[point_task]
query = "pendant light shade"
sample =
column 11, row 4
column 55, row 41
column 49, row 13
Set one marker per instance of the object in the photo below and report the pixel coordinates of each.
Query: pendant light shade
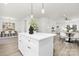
column 31, row 16
column 31, row 11
column 42, row 10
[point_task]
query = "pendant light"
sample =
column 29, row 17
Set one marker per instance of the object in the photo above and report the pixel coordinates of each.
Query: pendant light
column 25, row 21
column 42, row 10
column 31, row 11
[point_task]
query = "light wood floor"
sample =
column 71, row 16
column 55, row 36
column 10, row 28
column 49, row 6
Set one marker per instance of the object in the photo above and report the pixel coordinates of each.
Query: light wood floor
column 9, row 46
column 62, row 48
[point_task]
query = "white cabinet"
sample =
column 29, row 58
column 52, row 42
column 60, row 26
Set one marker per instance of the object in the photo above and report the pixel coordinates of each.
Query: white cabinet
column 21, row 44
column 39, row 44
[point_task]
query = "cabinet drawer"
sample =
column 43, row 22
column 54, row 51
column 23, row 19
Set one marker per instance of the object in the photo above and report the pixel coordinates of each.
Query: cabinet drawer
column 20, row 37
column 31, row 50
column 31, row 40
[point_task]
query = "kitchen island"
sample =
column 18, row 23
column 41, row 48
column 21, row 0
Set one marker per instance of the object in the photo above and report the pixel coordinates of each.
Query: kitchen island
column 38, row 44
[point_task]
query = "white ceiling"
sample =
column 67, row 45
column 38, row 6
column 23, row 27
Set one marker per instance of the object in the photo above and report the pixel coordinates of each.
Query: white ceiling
column 52, row 10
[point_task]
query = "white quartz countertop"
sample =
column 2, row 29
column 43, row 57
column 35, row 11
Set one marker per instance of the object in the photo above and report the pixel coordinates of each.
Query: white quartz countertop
column 38, row 36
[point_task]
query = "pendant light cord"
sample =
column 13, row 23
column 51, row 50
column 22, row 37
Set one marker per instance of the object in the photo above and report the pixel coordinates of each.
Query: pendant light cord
column 31, row 8
column 42, row 5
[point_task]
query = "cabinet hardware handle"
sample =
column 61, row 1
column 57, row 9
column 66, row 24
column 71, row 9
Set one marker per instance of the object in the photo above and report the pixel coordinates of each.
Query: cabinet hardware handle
column 29, row 40
column 19, row 40
column 29, row 47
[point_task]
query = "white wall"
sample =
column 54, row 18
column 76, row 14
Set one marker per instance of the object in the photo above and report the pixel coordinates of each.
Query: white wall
column 0, row 25
column 44, row 24
column 53, row 14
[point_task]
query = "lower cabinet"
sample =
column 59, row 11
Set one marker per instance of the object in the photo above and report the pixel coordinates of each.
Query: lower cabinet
column 27, row 47
column 30, row 46
column 31, row 51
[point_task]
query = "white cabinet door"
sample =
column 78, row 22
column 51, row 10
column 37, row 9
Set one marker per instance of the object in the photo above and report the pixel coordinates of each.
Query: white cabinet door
column 25, row 47
column 21, row 46
column 33, row 50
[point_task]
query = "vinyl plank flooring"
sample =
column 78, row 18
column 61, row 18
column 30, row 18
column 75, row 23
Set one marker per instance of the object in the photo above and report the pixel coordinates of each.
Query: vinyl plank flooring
column 62, row 48
column 9, row 47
